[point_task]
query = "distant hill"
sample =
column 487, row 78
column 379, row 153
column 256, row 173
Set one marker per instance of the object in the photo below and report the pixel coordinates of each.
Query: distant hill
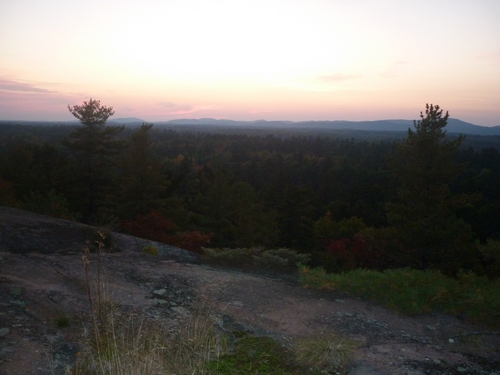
column 454, row 125
column 127, row 120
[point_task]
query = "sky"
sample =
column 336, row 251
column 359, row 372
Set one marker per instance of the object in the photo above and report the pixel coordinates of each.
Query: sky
column 291, row 60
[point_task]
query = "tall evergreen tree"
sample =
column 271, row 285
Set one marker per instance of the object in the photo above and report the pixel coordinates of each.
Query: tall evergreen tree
column 94, row 146
column 295, row 213
column 425, row 216
column 252, row 223
column 142, row 180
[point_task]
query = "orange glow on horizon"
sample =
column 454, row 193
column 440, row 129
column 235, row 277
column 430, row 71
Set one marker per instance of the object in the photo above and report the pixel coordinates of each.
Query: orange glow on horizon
column 279, row 59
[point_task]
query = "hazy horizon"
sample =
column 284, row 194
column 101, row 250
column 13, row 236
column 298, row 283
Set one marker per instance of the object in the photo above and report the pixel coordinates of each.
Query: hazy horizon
column 277, row 60
column 135, row 120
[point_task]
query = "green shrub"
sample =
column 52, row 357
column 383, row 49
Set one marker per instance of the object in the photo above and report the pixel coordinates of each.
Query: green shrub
column 489, row 259
column 254, row 355
column 331, row 229
column 237, row 258
column 263, row 355
column 151, row 250
column 280, row 260
column 61, row 320
column 50, row 204
column 412, row 291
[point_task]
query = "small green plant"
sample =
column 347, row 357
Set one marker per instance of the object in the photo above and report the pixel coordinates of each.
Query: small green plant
column 151, row 250
column 331, row 354
column 254, row 355
column 61, row 320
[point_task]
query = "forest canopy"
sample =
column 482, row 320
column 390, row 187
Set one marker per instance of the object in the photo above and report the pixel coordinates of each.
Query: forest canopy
column 339, row 199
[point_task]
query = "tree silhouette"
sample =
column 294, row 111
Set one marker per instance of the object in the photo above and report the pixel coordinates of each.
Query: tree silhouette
column 425, row 216
column 143, row 179
column 94, row 146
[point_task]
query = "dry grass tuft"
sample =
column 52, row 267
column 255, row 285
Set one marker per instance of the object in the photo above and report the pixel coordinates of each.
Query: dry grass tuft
column 326, row 353
column 126, row 343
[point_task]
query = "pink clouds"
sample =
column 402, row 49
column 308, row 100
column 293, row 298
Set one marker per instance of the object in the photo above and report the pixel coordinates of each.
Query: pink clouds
column 18, row 86
column 24, row 100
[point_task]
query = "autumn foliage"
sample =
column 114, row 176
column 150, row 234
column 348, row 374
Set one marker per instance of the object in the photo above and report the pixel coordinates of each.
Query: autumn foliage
column 191, row 240
column 351, row 253
column 157, row 227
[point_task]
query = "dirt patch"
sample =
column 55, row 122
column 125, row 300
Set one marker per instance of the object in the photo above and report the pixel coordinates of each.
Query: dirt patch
column 41, row 285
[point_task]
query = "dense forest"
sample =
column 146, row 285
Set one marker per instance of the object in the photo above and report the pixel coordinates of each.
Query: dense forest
column 423, row 200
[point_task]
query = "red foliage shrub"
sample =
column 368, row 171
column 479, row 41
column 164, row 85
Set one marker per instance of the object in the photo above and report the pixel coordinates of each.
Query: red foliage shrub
column 157, row 227
column 153, row 226
column 191, row 240
column 352, row 253
column 384, row 250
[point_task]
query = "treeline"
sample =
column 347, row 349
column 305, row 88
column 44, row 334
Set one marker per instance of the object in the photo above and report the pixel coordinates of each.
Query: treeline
column 327, row 196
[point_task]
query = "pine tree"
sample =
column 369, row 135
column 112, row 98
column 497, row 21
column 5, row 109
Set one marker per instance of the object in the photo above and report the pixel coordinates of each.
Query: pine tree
column 425, row 216
column 94, row 146
column 143, row 179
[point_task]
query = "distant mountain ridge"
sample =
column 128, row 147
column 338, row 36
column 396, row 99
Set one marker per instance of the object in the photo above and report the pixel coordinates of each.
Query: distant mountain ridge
column 127, row 120
column 454, row 125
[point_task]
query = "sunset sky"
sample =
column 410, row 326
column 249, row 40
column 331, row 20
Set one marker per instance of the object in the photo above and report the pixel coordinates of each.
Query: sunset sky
column 248, row 60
